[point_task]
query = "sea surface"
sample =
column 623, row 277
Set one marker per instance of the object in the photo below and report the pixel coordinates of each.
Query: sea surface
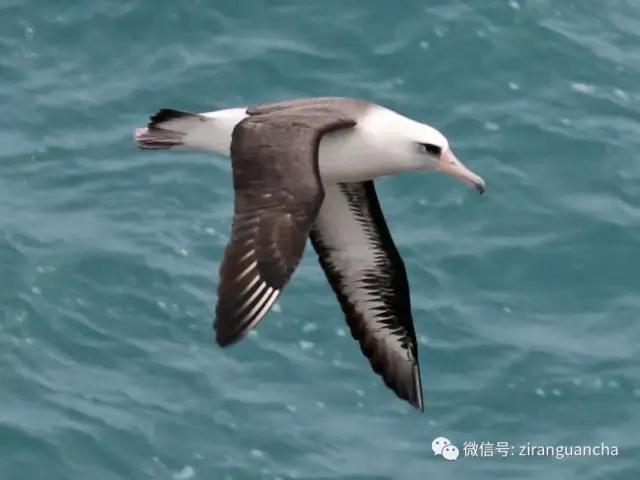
column 525, row 299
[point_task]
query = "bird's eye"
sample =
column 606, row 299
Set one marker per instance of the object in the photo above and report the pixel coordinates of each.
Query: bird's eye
column 431, row 149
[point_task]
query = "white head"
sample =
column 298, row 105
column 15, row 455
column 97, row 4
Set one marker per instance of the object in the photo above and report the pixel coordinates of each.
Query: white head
column 420, row 146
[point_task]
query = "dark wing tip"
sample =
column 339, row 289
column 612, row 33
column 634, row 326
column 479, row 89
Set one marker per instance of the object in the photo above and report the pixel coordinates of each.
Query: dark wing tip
column 399, row 373
column 229, row 330
column 408, row 389
column 406, row 384
column 418, row 399
column 226, row 337
column 242, row 304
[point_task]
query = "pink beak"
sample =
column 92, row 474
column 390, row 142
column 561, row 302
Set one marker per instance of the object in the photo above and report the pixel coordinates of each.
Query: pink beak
column 448, row 163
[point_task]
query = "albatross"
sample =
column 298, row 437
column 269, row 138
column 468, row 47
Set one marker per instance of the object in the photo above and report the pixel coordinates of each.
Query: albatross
column 305, row 169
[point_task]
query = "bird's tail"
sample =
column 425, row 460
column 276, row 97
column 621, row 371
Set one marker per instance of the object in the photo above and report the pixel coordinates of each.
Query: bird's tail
column 167, row 129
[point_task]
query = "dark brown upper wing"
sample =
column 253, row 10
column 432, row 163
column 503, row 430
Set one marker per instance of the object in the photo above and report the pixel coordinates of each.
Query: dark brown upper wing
column 368, row 276
column 278, row 194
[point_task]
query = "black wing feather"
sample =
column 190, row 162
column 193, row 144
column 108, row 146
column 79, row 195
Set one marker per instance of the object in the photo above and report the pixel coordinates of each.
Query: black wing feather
column 368, row 276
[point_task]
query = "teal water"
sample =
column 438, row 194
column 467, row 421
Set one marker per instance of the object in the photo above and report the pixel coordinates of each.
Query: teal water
column 525, row 299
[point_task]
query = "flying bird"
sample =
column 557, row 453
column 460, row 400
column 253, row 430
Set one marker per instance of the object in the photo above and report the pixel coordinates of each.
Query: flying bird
column 303, row 169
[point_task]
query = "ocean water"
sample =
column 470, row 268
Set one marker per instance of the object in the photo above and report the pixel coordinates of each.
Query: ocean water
column 525, row 299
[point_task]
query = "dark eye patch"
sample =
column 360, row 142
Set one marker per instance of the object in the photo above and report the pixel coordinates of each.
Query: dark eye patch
column 431, row 149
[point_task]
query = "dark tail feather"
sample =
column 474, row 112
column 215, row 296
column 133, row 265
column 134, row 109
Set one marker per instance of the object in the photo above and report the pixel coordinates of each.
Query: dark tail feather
column 167, row 117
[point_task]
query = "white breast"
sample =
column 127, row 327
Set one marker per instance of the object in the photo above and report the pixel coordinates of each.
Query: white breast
column 377, row 146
